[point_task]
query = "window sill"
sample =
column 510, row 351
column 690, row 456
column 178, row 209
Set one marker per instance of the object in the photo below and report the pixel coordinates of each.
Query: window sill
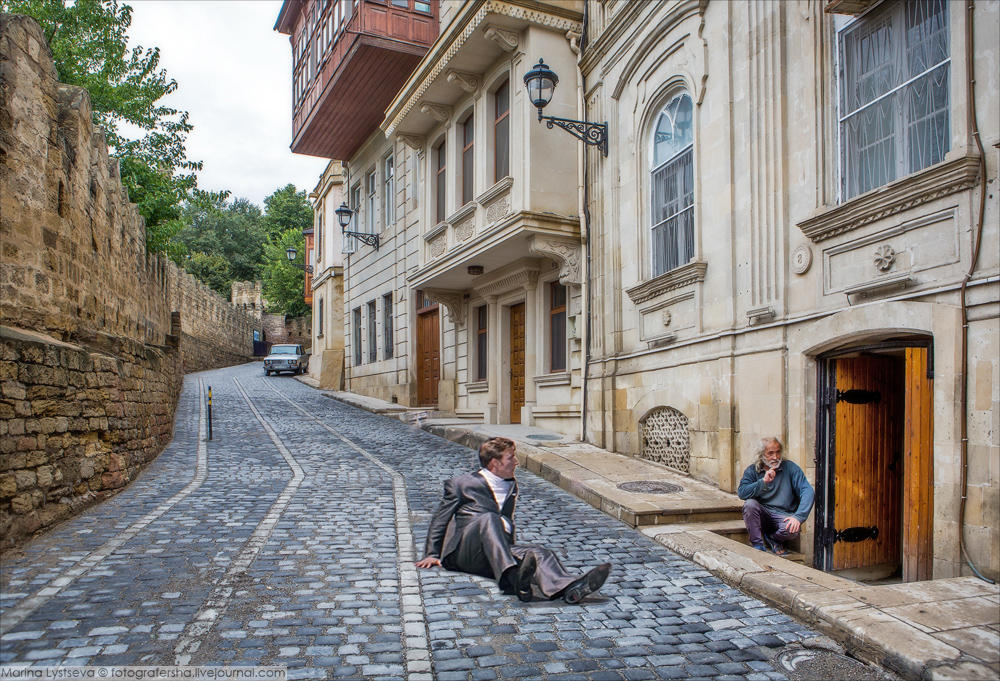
column 498, row 188
column 557, row 378
column 436, row 230
column 477, row 387
column 466, row 209
column 691, row 273
column 942, row 179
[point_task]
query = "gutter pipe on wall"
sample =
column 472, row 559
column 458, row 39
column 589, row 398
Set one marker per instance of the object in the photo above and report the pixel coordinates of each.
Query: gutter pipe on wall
column 576, row 43
column 977, row 239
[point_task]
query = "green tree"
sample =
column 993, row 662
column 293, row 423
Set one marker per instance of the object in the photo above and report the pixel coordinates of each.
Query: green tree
column 212, row 270
column 284, row 282
column 89, row 43
column 286, row 209
column 232, row 231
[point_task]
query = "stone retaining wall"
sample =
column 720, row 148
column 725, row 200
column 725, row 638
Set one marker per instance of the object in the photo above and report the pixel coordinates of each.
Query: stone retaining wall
column 97, row 332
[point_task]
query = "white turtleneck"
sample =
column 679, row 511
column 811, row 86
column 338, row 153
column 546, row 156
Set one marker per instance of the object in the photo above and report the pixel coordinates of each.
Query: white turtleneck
column 501, row 490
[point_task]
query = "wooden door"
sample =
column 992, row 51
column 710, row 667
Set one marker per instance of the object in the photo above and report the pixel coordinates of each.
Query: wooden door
column 868, row 461
column 516, row 361
column 918, row 482
column 428, row 358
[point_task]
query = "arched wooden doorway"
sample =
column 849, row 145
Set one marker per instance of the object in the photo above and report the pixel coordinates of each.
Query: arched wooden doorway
column 874, row 475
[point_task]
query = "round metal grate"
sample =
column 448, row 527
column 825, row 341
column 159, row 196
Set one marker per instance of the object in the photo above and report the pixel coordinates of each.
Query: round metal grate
column 650, row 487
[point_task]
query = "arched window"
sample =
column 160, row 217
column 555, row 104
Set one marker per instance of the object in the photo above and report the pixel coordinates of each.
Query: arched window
column 672, row 186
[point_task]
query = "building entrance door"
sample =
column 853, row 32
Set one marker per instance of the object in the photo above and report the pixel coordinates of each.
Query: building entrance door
column 428, row 358
column 516, row 361
column 874, row 481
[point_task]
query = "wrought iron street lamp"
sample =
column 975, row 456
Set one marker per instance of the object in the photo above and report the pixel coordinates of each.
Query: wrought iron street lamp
column 291, row 253
column 541, row 83
column 344, row 216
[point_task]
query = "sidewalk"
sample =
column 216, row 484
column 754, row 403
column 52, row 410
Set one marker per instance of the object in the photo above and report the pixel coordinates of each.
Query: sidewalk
column 946, row 629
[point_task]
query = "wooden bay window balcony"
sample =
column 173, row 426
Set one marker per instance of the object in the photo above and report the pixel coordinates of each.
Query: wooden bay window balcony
column 350, row 57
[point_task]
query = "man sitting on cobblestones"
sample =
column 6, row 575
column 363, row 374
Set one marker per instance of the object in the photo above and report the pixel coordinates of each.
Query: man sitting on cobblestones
column 777, row 497
column 472, row 531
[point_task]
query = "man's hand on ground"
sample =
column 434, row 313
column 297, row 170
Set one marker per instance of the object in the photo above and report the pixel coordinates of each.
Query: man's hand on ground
column 428, row 562
column 792, row 525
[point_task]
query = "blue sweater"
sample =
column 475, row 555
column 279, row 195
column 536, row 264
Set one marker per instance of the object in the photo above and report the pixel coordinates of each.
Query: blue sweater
column 789, row 492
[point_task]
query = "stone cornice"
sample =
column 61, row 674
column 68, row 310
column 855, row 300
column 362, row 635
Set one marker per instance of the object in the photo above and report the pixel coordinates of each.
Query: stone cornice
column 462, row 211
column 691, row 273
column 947, row 177
column 499, row 188
column 438, row 58
column 526, row 278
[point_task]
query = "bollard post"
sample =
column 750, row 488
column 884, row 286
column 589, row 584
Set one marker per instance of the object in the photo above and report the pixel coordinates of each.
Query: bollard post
column 209, row 412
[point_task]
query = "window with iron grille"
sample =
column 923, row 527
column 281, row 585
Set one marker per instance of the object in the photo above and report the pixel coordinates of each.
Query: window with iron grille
column 356, row 335
column 894, row 78
column 372, row 339
column 672, row 187
column 387, row 324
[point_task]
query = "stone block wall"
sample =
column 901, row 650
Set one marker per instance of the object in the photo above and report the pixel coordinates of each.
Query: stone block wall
column 281, row 329
column 96, row 333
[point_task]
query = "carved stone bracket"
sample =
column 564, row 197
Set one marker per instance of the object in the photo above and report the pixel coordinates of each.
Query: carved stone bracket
column 415, row 142
column 439, row 112
column 566, row 252
column 454, row 302
column 507, row 40
column 467, row 81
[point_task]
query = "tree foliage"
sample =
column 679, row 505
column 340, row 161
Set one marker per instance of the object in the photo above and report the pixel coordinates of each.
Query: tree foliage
column 284, row 281
column 286, row 209
column 89, row 43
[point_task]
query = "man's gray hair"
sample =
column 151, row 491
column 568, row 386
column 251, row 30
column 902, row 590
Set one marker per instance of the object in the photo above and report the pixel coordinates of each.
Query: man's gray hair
column 759, row 450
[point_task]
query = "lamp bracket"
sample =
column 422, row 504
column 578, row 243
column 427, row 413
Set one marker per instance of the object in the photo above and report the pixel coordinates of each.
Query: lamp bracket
column 364, row 237
column 594, row 134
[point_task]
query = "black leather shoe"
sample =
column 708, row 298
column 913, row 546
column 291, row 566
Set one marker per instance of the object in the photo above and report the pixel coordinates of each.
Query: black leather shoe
column 522, row 578
column 587, row 584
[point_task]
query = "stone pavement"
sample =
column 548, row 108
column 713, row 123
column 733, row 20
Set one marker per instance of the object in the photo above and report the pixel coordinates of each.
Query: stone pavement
column 289, row 540
column 945, row 629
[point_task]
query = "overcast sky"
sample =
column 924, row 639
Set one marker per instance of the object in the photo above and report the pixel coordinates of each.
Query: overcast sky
column 234, row 79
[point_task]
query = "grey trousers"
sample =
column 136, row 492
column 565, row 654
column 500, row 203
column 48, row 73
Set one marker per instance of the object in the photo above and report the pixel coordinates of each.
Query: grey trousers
column 485, row 549
column 762, row 521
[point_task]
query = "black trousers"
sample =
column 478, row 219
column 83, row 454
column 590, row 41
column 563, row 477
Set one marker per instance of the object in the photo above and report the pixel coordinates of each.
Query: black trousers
column 485, row 549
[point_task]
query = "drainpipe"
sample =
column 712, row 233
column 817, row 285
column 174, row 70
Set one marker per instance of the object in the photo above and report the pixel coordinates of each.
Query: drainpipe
column 977, row 239
column 576, row 44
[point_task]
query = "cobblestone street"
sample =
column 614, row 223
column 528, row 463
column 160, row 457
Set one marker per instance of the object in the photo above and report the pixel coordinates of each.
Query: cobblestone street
column 289, row 539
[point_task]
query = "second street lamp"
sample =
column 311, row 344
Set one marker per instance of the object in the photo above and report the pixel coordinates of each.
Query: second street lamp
column 541, row 83
column 344, row 217
column 290, row 253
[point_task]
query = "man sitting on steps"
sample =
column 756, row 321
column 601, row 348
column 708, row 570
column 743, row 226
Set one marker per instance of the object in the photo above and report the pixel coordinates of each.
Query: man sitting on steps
column 778, row 498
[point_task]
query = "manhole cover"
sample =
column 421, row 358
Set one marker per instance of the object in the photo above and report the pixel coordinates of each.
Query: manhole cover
column 819, row 665
column 545, row 437
column 650, row 487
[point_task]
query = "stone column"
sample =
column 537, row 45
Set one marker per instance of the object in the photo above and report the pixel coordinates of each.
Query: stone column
column 531, row 356
column 495, row 360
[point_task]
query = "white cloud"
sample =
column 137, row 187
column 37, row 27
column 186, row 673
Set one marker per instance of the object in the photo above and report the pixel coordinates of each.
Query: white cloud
column 234, row 79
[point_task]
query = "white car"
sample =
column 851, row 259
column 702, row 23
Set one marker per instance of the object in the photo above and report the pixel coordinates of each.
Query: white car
column 286, row 358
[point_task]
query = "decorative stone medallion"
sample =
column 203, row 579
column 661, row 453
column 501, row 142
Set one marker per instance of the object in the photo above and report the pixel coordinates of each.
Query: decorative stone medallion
column 885, row 257
column 802, row 258
column 667, row 318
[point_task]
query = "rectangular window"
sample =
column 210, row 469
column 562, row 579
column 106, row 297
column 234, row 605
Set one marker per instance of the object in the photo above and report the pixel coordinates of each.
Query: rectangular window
column 319, row 319
column 372, row 340
column 673, row 213
column 894, row 93
column 440, row 185
column 557, row 327
column 422, row 6
column 356, row 335
column 482, row 342
column 405, row 4
column 501, row 133
column 350, row 243
column 387, row 324
column 389, row 190
column 370, row 203
column 468, row 158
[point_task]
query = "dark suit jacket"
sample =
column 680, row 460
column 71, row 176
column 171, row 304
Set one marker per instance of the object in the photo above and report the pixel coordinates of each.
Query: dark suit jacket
column 465, row 498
